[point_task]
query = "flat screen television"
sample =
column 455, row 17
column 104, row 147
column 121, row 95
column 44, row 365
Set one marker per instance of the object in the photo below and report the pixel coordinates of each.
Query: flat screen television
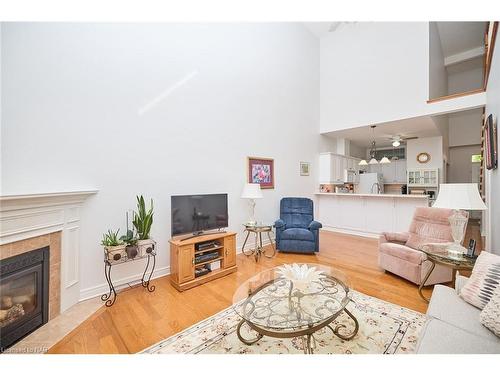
column 198, row 213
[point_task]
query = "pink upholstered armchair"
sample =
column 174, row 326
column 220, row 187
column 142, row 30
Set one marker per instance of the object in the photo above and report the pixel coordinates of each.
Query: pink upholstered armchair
column 398, row 254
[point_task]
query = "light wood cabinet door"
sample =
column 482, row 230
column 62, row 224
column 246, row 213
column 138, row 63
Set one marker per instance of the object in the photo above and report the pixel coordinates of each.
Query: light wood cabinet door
column 229, row 251
column 186, row 263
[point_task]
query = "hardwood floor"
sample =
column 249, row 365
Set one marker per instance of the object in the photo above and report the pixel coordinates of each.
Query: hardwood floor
column 139, row 319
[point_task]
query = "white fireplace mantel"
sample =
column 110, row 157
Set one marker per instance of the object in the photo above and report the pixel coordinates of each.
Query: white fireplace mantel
column 31, row 215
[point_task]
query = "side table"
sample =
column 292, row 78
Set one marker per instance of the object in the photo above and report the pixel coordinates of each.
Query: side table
column 437, row 253
column 258, row 250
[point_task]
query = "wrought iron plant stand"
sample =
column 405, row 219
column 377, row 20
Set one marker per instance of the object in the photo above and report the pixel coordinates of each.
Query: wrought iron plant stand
column 150, row 254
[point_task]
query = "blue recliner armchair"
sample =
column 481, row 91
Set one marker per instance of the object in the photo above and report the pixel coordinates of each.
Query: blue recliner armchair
column 296, row 230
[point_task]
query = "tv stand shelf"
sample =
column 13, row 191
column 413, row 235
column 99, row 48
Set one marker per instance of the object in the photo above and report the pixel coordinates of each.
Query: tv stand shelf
column 182, row 259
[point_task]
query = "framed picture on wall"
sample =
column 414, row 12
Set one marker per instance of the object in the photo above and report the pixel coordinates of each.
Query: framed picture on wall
column 491, row 143
column 261, row 171
column 304, row 168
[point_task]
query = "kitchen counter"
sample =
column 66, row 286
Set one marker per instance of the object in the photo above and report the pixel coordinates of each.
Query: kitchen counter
column 367, row 214
column 399, row 196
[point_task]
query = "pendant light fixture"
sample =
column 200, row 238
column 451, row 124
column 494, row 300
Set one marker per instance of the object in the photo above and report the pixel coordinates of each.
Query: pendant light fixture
column 373, row 150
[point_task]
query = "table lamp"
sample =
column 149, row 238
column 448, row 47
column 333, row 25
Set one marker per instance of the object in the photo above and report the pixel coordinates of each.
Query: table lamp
column 459, row 197
column 251, row 192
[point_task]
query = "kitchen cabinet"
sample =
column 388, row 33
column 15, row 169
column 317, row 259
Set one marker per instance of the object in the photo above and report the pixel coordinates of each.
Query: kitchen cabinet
column 394, row 173
column 332, row 166
column 401, row 171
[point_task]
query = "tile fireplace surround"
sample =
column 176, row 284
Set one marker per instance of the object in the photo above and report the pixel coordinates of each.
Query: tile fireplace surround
column 34, row 221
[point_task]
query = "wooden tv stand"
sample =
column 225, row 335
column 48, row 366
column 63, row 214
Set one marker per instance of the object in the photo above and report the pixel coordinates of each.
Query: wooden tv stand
column 182, row 259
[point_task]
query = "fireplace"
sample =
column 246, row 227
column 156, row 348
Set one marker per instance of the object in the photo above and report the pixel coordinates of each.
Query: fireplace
column 24, row 295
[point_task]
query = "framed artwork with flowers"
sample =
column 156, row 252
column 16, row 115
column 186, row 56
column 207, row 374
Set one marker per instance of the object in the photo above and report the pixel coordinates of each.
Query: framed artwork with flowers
column 261, row 171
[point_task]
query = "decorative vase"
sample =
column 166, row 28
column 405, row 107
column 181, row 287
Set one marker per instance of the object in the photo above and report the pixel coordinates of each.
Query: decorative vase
column 132, row 251
column 146, row 246
column 114, row 253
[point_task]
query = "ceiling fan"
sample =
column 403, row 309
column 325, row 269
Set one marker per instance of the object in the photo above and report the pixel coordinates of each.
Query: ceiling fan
column 397, row 140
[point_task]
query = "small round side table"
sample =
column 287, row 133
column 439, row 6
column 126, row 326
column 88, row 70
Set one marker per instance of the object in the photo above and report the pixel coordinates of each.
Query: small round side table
column 437, row 253
column 258, row 250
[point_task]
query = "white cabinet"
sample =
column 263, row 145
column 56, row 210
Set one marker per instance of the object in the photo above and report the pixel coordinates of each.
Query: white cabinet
column 332, row 166
column 423, row 177
column 394, row 173
column 401, row 171
column 389, row 172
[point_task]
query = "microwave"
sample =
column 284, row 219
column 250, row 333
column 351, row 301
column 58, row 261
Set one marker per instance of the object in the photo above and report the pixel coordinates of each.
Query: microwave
column 350, row 175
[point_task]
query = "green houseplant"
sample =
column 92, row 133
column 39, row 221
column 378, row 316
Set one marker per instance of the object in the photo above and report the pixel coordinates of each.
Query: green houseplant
column 143, row 220
column 113, row 245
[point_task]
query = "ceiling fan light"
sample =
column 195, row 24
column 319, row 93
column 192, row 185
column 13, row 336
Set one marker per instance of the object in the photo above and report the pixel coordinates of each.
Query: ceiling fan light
column 373, row 161
column 396, row 143
column 363, row 162
column 385, row 160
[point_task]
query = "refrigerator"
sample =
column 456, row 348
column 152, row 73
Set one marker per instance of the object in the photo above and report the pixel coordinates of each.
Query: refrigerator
column 367, row 181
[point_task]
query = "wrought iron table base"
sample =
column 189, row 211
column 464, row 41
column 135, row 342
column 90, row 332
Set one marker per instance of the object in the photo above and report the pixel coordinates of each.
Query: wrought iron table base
column 433, row 265
column 258, row 250
column 110, row 297
column 307, row 333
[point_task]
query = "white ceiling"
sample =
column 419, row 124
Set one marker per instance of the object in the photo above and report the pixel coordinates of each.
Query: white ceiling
column 458, row 37
column 414, row 127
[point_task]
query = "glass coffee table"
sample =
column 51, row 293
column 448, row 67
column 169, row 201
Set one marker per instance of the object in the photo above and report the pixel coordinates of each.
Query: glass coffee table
column 437, row 253
column 293, row 300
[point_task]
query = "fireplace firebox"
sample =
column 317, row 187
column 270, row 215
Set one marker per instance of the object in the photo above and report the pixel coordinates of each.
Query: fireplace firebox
column 24, row 295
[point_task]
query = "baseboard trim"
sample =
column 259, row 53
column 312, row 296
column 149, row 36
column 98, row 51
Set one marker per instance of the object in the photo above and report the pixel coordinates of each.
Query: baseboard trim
column 99, row 290
column 353, row 232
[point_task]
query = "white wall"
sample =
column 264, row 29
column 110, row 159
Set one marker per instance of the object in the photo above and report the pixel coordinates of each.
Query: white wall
column 465, row 127
column 460, row 164
column 373, row 72
column 463, row 81
column 438, row 76
column 433, row 146
column 73, row 95
column 493, row 177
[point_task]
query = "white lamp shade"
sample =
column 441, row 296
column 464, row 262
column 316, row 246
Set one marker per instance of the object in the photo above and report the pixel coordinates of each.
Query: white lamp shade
column 373, row 161
column 396, row 144
column 363, row 162
column 459, row 197
column 385, row 160
column 251, row 191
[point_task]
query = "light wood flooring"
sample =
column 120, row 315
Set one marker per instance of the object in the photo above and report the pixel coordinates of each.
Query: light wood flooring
column 139, row 319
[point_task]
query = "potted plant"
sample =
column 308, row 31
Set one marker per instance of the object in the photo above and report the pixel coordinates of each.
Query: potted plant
column 143, row 219
column 113, row 246
column 131, row 247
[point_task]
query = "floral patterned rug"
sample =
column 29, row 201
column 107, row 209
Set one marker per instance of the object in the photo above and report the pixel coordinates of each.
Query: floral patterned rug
column 384, row 328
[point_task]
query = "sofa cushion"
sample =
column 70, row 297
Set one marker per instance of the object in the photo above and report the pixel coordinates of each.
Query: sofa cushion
column 439, row 337
column 490, row 316
column 484, row 280
column 402, row 252
column 297, row 234
column 447, row 306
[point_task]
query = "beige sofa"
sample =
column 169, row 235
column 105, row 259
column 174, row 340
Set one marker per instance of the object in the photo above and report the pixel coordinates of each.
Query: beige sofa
column 453, row 326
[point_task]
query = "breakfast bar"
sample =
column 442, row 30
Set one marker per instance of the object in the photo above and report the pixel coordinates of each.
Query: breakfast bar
column 367, row 214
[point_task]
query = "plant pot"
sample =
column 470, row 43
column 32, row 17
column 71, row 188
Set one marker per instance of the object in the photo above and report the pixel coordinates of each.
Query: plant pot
column 132, row 251
column 115, row 253
column 146, row 246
